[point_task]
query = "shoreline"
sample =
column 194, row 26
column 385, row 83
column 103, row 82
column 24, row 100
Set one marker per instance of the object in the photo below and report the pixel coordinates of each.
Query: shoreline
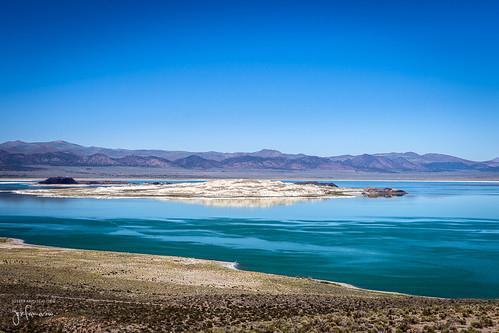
column 10, row 242
column 101, row 291
column 423, row 180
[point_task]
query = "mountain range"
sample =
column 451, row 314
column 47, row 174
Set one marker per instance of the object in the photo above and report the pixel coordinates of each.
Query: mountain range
column 19, row 155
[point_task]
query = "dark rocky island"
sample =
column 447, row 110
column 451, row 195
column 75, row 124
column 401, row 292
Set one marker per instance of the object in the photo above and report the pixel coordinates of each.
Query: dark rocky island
column 59, row 181
column 375, row 192
column 71, row 181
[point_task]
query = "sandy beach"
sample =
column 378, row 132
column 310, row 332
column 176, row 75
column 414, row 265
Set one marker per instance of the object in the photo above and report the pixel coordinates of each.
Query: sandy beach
column 54, row 289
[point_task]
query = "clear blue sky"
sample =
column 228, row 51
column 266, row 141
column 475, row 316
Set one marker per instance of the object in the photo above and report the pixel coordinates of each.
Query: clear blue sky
column 318, row 77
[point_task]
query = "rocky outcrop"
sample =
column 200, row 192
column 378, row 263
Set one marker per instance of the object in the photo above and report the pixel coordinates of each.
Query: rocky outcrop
column 387, row 192
column 58, row 181
column 71, row 181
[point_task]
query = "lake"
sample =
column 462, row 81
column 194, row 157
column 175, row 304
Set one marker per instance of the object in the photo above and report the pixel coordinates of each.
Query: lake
column 442, row 239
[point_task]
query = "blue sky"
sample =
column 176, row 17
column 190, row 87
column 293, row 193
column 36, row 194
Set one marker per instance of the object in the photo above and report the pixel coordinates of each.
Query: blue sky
column 317, row 77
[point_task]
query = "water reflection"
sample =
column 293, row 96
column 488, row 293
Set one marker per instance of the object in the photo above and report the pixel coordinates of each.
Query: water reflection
column 246, row 202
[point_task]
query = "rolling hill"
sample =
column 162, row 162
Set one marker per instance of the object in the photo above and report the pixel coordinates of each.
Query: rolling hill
column 19, row 155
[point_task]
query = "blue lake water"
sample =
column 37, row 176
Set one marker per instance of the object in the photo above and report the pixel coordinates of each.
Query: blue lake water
column 440, row 240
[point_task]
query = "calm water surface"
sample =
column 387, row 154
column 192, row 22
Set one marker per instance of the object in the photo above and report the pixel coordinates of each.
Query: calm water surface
column 440, row 240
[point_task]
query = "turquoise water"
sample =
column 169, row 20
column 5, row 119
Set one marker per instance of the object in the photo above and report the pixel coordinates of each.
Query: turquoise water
column 440, row 240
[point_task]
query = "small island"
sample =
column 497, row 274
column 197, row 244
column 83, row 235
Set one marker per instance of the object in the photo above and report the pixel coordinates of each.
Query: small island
column 58, row 181
column 219, row 192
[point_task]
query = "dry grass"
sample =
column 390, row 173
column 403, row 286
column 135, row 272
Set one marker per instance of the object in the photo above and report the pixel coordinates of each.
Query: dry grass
column 92, row 291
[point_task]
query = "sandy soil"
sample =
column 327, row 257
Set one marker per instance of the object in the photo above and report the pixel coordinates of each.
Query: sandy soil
column 44, row 289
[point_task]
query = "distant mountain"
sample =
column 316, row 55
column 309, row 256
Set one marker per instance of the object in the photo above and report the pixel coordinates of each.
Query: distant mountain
column 22, row 147
column 63, row 146
column 493, row 163
column 19, row 155
column 143, row 161
column 196, row 162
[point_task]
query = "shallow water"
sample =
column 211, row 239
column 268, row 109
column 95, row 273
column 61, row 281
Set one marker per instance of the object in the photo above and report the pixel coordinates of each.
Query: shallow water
column 440, row 240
